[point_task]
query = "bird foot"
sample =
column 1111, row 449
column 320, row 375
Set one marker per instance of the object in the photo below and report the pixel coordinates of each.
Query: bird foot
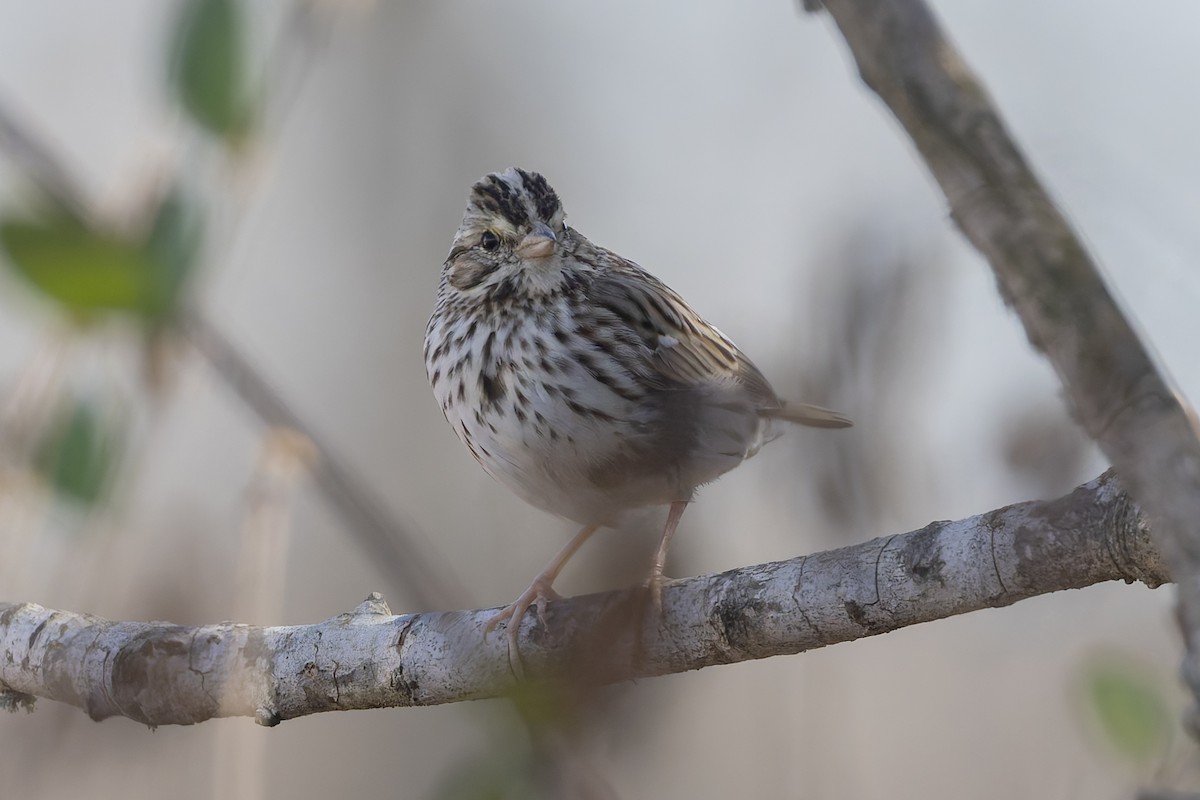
column 539, row 593
column 654, row 584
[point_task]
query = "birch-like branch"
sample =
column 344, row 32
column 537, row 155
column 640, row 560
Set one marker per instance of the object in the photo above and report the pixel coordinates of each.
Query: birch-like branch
column 163, row 674
column 1110, row 378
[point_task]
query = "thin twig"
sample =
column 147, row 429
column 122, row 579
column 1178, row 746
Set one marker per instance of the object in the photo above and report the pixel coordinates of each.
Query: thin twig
column 380, row 535
column 40, row 164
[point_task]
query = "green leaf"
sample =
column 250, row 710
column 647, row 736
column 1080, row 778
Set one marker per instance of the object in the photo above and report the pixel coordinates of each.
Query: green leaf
column 208, row 63
column 170, row 252
column 83, row 269
column 80, row 453
column 1132, row 713
column 90, row 271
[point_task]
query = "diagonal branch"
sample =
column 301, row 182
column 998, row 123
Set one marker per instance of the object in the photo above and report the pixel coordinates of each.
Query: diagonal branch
column 36, row 159
column 379, row 532
column 1111, row 379
column 163, row 674
column 392, row 545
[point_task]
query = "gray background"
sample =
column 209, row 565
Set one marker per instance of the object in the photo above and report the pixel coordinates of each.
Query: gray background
column 729, row 149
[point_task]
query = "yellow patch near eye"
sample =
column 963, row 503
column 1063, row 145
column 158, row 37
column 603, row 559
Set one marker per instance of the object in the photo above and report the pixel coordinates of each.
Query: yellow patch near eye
column 501, row 227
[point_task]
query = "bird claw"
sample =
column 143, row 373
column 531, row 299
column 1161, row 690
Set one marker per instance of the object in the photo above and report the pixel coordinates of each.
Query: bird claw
column 546, row 595
column 536, row 596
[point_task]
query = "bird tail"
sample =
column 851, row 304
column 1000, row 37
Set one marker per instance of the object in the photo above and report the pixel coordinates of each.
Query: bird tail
column 804, row 414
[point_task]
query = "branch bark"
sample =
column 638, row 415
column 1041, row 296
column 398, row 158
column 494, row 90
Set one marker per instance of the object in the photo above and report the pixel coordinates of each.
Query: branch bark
column 1118, row 393
column 163, row 674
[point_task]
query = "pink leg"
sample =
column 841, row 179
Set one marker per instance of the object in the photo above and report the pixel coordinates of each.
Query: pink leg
column 656, row 580
column 538, row 594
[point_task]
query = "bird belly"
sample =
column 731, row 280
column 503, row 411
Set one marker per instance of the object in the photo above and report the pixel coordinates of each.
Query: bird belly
column 583, row 443
column 551, row 453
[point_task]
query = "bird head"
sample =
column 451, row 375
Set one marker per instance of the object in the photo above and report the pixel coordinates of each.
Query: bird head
column 511, row 238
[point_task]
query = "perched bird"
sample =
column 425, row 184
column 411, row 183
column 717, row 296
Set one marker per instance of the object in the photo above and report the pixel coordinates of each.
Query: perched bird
column 582, row 382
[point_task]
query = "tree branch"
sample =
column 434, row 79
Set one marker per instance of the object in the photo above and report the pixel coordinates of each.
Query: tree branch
column 1117, row 391
column 379, row 532
column 396, row 548
column 163, row 674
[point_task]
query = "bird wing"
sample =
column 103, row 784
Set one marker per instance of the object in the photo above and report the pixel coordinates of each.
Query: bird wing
column 682, row 350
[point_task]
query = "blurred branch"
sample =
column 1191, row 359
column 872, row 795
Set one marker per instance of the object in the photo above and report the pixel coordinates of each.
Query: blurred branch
column 380, row 535
column 1117, row 391
column 163, row 674
column 40, row 164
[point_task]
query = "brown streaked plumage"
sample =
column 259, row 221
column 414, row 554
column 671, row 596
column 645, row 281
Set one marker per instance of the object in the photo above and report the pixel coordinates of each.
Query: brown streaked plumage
column 582, row 382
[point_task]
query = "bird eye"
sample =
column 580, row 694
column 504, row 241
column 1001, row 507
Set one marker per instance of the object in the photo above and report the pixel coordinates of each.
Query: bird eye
column 489, row 241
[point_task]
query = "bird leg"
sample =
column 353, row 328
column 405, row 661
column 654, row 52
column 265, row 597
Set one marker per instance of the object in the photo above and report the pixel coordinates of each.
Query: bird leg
column 656, row 580
column 540, row 592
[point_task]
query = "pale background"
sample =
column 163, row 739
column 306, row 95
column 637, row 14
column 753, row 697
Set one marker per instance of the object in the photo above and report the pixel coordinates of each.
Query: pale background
column 730, row 149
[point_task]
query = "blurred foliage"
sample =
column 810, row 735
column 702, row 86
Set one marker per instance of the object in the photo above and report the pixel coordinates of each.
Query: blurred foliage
column 83, row 269
column 1045, row 448
column 88, row 270
column 873, row 324
column 500, row 774
column 507, row 769
column 1128, row 705
column 534, row 754
column 544, row 705
column 208, row 67
column 80, row 452
column 171, row 249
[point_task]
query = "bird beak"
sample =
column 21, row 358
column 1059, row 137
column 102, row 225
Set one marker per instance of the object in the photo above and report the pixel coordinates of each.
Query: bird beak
column 538, row 243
